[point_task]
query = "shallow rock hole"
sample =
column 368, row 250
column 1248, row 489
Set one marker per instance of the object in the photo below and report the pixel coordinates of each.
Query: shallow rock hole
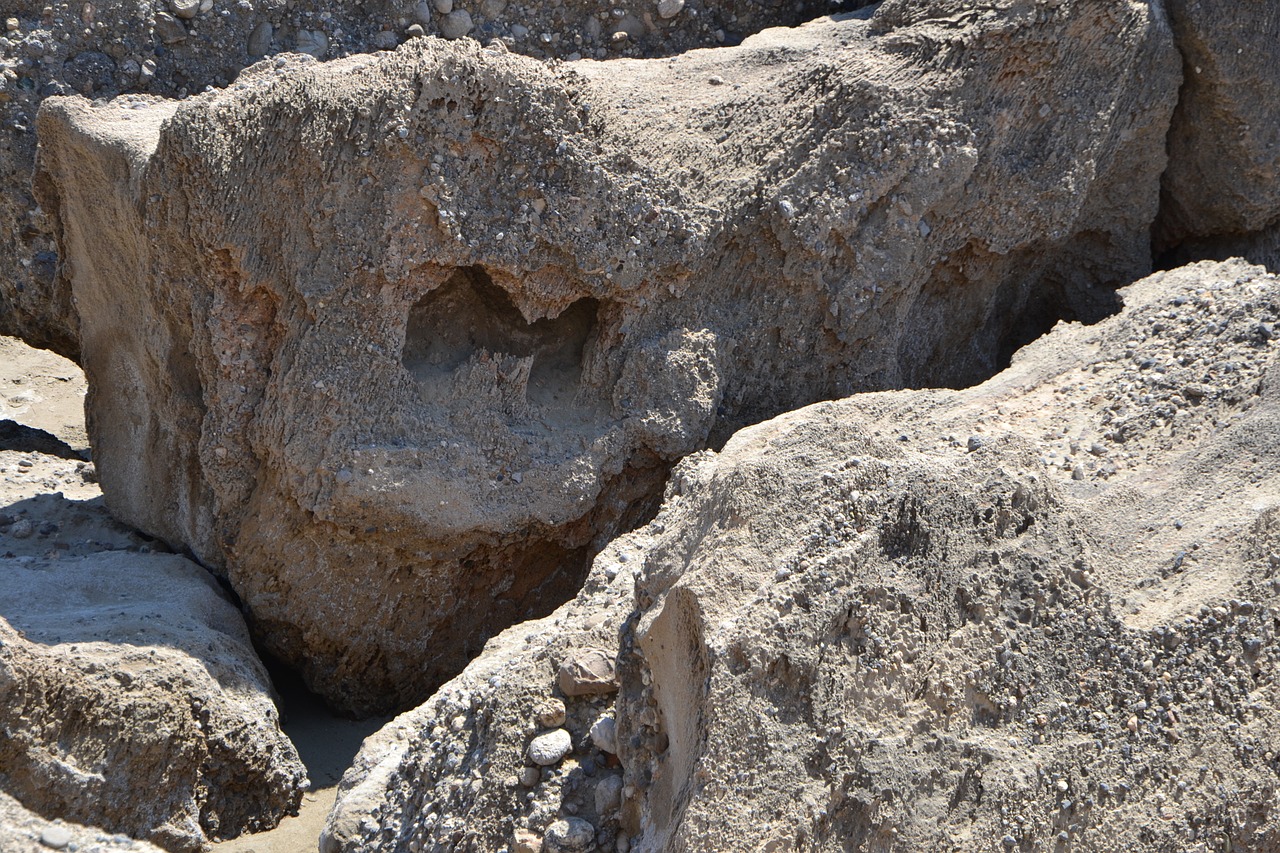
column 470, row 319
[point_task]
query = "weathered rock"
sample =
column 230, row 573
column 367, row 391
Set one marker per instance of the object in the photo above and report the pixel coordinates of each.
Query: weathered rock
column 584, row 672
column 40, row 55
column 24, row 832
column 520, row 292
column 848, row 627
column 1223, row 179
column 132, row 700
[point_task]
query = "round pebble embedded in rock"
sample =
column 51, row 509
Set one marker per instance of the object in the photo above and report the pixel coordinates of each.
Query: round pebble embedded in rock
column 56, row 837
column 670, row 8
column 569, row 836
column 186, row 9
column 586, row 672
column 547, row 749
column 604, row 734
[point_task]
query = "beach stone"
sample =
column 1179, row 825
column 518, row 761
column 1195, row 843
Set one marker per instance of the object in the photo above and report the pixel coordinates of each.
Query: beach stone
column 312, row 42
column 569, row 835
column 670, row 8
column 456, row 24
column 604, row 734
column 56, row 837
column 547, row 749
column 185, row 9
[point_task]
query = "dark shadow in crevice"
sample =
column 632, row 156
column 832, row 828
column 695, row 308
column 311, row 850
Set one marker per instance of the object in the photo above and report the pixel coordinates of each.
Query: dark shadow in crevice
column 327, row 742
column 24, row 439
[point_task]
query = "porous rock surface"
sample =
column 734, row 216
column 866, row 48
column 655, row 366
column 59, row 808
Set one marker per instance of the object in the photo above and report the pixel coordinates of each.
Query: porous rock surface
column 1223, row 180
column 513, row 294
column 130, row 696
column 1036, row 614
column 21, row 831
column 174, row 48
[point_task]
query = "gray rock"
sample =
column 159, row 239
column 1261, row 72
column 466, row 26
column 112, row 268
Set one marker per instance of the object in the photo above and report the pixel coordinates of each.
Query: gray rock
column 259, row 43
column 21, row 831
column 743, row 694
column 569, row 836
column 604, row 734
column 456, row 24
column 312, row 42
column 608, row 794
column 443, row 7
column 136, row 669
column 1222, row 151
column 185, row 9
column 670, row 8
column 550, row 748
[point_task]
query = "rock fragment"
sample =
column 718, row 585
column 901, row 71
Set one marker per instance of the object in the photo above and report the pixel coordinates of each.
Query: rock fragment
column 569, row 835
column 587, row 672
column 550, row 748
column 456, row 24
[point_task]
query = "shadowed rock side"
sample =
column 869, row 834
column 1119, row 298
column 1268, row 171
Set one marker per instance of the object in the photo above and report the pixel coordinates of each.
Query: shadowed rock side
column 179, row 47
column 23, row 832
column 1037, row 614
column 1223, row 180
column 131, row 699
column 505, row 297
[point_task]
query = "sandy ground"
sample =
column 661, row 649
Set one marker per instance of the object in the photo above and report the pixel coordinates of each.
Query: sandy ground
column 45, row 477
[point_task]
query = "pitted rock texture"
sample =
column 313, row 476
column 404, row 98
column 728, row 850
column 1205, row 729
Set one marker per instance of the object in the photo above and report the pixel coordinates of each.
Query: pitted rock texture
column 24, row 832
column 175, row 48
column 132, row 700
column 1036, row 614
column 1223, row 179
column 513, row 294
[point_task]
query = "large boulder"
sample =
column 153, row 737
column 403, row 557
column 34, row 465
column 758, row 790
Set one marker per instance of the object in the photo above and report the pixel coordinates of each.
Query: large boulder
column 1036, row 614
column 476, row 305
column 130, row 696
column 1223, row 180
column 508, row 295
column 175, row 48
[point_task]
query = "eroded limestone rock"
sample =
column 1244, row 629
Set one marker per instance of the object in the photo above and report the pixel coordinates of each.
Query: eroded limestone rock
column 24, row 832
column 131, row 699
column 849, row 627
column 1223, row 180
column 475, row 306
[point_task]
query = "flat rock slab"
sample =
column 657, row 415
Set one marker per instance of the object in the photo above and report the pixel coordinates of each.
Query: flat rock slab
column 131, row 699
column 1040, row 612
column 508, row 296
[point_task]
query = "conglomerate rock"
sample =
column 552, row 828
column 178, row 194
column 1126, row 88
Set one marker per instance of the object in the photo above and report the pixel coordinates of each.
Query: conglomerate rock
column 132, row 700
column 396, row 341
column 1036, row 614
column 1223, row 180
column 24, row 832
column 174, row 48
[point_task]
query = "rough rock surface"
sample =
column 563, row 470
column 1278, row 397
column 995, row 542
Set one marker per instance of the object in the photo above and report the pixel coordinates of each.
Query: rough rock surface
column 24, row 832
column 515, row 293
column 1223, row 179
column 1036, row 614
column 175, row 48
column 130, row 696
